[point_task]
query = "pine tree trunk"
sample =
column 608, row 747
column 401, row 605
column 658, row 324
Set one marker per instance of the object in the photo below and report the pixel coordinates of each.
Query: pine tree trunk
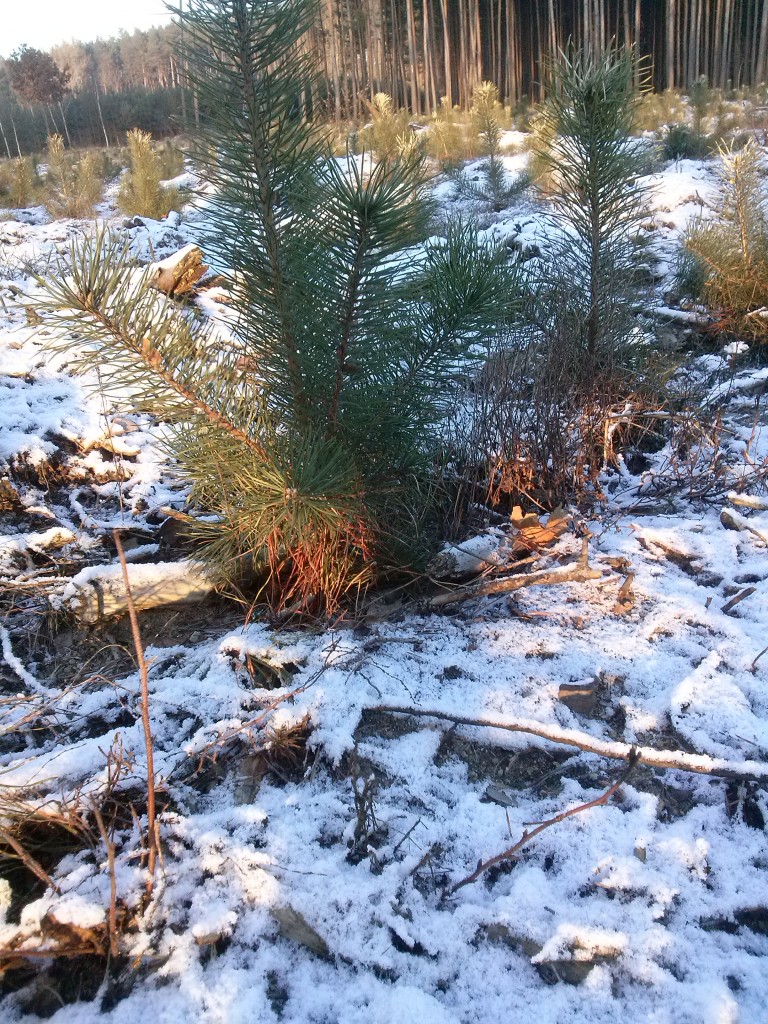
column 64, row 122
column 670, row 52
column 447, row 56
column 16, row 136
column 334, row 60
column 412, row 59
column 760, row 71
column 5, row 140
column 101, row 117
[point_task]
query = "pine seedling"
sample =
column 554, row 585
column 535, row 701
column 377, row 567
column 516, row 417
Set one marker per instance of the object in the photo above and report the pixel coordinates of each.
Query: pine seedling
column 170, row 159
column 309, row 438
column 586, row 126
column 731, row 252
column 387, row 129
column 446, row 142
column 24, row 183
column 141, row 194
column 72, row 187
column 496, row 188
column 700, row 98
column 579, row 358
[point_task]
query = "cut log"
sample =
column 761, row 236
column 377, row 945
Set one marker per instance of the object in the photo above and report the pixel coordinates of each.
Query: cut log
column 179, row 273
column 99, row 592
column 578, row 572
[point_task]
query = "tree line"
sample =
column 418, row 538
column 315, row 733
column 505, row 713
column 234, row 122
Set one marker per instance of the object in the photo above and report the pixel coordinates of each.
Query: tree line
column 420, row 52
column 91, row 93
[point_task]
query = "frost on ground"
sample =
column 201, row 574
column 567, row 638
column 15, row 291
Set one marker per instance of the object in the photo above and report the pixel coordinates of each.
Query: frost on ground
column 310, row 839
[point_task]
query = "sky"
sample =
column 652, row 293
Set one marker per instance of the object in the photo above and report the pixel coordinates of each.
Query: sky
column 44, row 23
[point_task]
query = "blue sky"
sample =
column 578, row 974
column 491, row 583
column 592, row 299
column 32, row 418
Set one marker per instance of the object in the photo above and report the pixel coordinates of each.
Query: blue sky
column 44, row 23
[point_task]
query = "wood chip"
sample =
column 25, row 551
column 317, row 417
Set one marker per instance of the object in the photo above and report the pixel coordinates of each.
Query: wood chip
column 579, row 697
column 294, row 927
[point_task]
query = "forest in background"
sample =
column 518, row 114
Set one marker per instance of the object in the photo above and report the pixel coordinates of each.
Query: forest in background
column 420, row 52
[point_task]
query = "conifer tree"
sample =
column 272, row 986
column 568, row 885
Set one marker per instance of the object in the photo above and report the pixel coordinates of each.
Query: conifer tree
column 584, row 139
column 730, row 252
column 141, row 193
column 308, row 439
column 496, row 188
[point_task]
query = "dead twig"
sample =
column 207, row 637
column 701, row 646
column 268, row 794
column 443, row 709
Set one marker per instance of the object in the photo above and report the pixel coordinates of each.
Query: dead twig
column 407, row 834
column 625, row 599
column 748, row 501
column 735, row 521
column 699, row 764
column 28, row 860
column 483, row 866
column 578, row 573
column 144, row 678
column 109, row 846
column 737, row 599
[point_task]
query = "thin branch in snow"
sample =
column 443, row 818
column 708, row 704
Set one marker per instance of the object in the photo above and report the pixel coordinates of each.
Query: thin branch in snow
column 700, row 764
column 526, row 837
column 14, row 663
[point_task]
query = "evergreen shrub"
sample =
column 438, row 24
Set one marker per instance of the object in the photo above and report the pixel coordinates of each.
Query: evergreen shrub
column 580, row 356
column 495, row 188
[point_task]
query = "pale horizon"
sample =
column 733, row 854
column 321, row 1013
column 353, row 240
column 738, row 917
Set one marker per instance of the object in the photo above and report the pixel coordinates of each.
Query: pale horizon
column 47, row 23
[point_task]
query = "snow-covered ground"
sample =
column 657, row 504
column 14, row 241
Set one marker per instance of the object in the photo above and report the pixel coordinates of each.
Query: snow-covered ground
column 305, row 876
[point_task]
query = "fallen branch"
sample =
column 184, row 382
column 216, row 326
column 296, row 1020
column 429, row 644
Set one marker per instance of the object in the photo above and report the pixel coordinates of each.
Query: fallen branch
column 753, row 666
column 526, row 838
column 17, row 666
column 748, row 501
column 101, row 592
column 27, row 860
column 578, row 573
column 699, row 764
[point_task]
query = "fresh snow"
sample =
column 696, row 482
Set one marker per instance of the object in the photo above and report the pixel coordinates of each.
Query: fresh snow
column 664, row 891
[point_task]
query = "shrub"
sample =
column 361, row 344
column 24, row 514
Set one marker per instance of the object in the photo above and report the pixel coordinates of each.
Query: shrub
column 309, row 440
column 732, row 251
column 72, row 186
column 594, row 167
column 141, row 194
column 700, row 96
column 170, row 159
column 24, row 185
column 445, row 143
column 655, row 111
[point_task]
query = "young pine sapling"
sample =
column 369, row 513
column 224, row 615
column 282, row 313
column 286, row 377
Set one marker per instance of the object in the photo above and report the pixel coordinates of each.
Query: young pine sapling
column 308, row 436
